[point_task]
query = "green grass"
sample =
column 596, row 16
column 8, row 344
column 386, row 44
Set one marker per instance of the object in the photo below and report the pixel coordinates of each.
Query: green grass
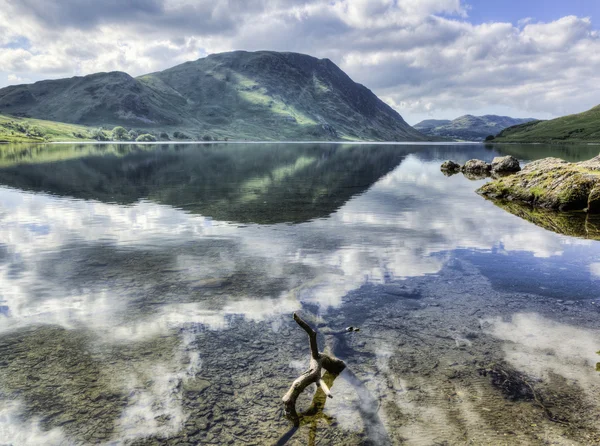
column 581, row 127
column 16, row 130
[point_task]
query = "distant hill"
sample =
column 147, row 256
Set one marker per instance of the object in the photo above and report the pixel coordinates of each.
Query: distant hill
column 245, row 95
column 468, row 127
column 430, row 124
column 583, row 127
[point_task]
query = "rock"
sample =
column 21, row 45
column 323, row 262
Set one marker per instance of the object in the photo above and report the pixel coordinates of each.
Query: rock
column 195, row 386
column 401, row 290
column 505, row 164
column 476, row 167
column 218, row 282
column 593, row 206
column 551, row 183
column 450, row 167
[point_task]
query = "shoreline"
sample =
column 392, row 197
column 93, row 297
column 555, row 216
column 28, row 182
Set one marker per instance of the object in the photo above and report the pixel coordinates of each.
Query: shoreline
column 423, row 143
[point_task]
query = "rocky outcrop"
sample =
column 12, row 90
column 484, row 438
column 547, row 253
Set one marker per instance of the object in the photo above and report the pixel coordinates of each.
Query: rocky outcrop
column 551, row 183
column 505, row 164
column 476, row 167
column 450, row 167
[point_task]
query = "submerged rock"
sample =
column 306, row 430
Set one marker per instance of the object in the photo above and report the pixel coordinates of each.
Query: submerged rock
column 450, row 167
column 505, row 164
column 476, row 167
column 551, row 183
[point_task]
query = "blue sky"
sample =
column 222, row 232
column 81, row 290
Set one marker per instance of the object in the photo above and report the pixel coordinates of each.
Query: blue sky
column 538, row 10
column 426, row 58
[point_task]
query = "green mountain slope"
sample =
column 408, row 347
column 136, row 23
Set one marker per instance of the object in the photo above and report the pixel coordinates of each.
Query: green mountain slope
column 244, row 95
column 581, row 127
column 468, row 127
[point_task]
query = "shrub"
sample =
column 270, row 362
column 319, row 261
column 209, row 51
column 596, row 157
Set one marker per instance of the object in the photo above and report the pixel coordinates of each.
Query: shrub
column 164, row 136
column 99, row 135
column 17, row 127
column 35, row 131
column 146, row 137
column 120, row 134
column 180, row 135
column 207, row 138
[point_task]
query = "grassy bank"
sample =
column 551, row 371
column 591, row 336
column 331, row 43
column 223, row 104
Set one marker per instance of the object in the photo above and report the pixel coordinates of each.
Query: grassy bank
column 15, row 130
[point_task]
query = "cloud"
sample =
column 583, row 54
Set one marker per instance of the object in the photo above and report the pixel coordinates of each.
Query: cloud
column 422, row 57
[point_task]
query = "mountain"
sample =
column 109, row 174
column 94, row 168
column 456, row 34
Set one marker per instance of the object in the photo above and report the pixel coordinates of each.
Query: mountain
column 244, row 95
column 429, row 124
column 583, row 127
column 468, row 127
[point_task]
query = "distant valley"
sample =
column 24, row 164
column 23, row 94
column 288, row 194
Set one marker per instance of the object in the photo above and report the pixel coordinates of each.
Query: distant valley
column 468, row 127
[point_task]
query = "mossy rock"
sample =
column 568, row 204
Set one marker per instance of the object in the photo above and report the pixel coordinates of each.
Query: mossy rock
column 551, row 183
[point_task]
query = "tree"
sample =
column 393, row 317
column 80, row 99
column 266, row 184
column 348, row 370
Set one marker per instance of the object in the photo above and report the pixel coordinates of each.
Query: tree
column 489, row 138
column 99, row 135
column 35, row 131
column 180, row 135
column 146, row 137
column 120, row 134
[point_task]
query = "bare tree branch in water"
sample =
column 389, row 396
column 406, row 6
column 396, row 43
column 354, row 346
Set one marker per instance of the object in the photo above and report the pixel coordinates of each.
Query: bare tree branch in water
column 318, row 362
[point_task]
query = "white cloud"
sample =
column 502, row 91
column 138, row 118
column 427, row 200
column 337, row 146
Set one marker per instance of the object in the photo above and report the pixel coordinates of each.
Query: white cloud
column 13, row 78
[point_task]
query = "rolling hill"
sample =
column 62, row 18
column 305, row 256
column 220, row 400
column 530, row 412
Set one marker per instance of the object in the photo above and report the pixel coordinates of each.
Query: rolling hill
column 468, row 127
column 581, row 127
column 261, row 95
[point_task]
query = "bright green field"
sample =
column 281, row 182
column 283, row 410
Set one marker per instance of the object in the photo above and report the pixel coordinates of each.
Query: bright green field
column 14, row 129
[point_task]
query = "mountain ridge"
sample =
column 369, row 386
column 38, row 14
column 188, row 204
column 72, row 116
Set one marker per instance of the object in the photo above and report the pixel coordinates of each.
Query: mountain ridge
column 239, row 94
column 468, row 127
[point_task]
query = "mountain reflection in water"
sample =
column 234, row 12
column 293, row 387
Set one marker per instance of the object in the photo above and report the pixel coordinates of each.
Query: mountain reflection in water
column 147, row 293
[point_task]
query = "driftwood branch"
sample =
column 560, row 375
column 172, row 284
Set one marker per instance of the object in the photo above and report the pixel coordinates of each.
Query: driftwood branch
column 318, row 362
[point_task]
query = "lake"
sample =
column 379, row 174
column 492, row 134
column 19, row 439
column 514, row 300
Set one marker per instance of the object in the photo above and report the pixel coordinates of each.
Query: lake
column 147, row 294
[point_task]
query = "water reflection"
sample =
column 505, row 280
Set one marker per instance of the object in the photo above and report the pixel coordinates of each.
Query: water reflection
column 135, row 304
column 574, row 224
column 244, row 183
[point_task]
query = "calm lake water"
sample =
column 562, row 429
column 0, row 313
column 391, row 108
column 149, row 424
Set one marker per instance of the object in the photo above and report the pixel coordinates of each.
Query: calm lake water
column 147, row 295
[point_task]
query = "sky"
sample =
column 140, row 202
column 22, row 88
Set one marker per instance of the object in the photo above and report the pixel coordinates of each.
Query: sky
column 429, row 59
